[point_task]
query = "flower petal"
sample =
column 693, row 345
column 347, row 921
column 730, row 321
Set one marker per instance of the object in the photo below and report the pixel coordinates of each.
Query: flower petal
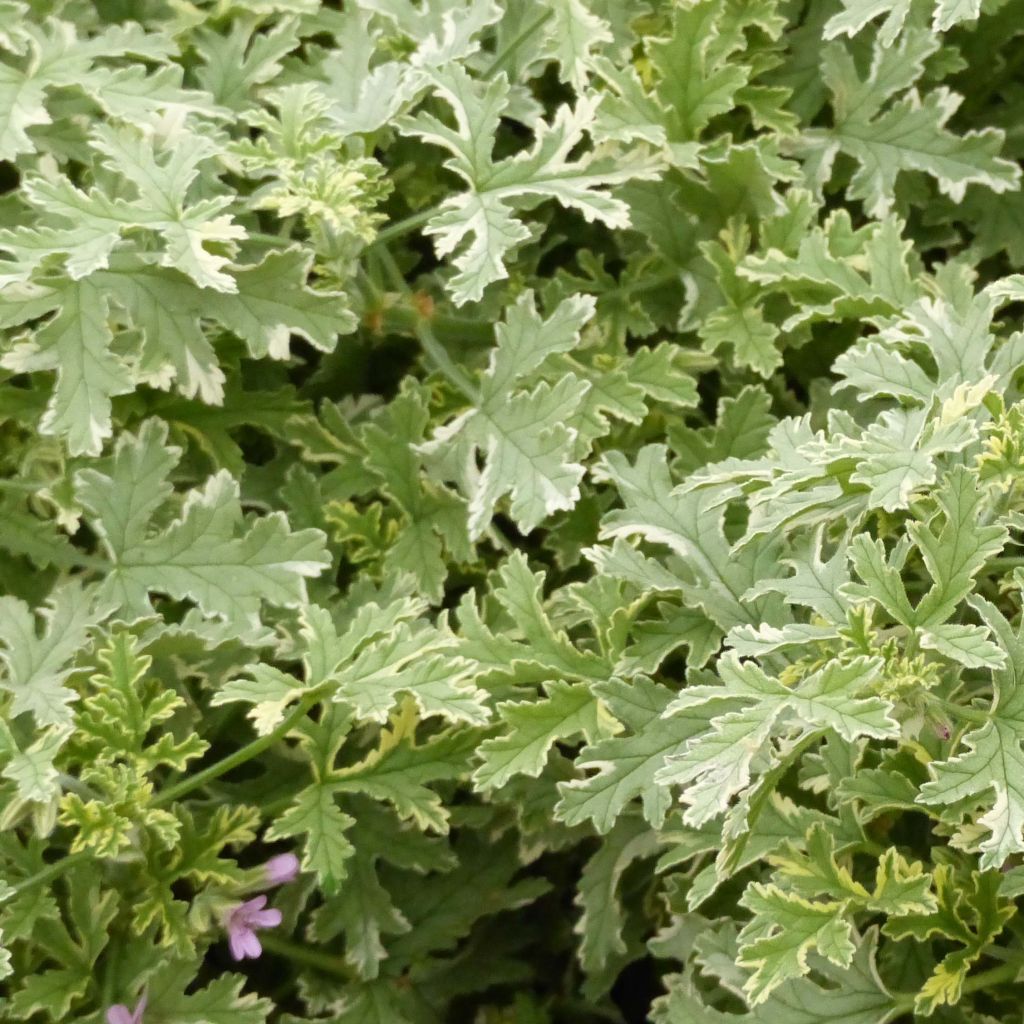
column 120, row 1014
column 140, row 1009
column 251, row 945
column 266, row 918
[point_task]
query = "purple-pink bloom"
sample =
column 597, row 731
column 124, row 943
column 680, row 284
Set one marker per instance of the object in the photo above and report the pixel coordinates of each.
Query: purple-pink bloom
column 120, row 1014
column 242, row 923
column 282, row 868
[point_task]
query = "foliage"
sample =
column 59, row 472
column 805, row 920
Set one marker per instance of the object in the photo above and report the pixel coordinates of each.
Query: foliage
column 554, row 468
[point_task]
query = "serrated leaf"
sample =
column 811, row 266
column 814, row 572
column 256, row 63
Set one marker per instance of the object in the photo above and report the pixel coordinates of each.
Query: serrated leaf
column 691, row 526
column 749, row 707
column 527, row 447
column 626, row 766
column 909, row 134
column 534, row 726
column 786, row 928
column 316, row 815
column 399, row 771
column 600, row 925
column 37, row 666
column 993, row 762
column 209, row 555
column 76, row 343
column 220, row 1002
column 858, row 13
column 479, row 224
column 971, row 915
column 856, row 994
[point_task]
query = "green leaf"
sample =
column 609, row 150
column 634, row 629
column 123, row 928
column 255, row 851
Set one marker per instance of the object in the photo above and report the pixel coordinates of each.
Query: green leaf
column 969, row 912
column 901, row 887
column 534, row 726
column 753, row 706
column 363, row 911
column 529, row 450
column 479, row 224
column 268, row 303
column 435, row 517
column 86, row 226
column 32, row 768
column 54, row 991
column 521, row 593
column 908, row 134
column 691, row 526
column 573, row 34
column 220, row 1002
column 600, row 925
column 855, row 994
column 857, row 13
column 123, row 708
column 697, row 80
column 784, row 931
column 267, row 689
column 315, row 814
column 58, row 59
column 399, row 771
column 815, row 583
column 626, row 766
column 955, row 553
column 76, row 343
column 210, row 555
column 387, row 651
column 37, row 666
column 993, row 762
column 833, row 271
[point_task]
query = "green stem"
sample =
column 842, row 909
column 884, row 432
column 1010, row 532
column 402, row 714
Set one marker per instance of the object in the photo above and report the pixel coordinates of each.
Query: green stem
column 1005, row 562
column 423, row 331
column 404, row 226
column 504, row 56
column 444, row 362
column 404, row 319
column 992, row 978
column 964, row 714
column 314, row 958
column 51, row 871
column 240, row 756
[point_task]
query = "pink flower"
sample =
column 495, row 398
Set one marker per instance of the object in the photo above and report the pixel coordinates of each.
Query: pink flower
column 282, row 868
column 120, row 1014
column 241, row 924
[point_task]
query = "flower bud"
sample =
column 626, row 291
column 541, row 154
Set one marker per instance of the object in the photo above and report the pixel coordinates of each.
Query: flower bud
column 282, row 868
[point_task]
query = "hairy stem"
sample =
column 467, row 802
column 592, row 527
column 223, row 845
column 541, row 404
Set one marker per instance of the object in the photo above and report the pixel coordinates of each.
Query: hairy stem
column 326, row 962
column 50, row 872
column 240, row 756
column 423, row 331
column 504, row 56
column 406, row 318
column 404, row 226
